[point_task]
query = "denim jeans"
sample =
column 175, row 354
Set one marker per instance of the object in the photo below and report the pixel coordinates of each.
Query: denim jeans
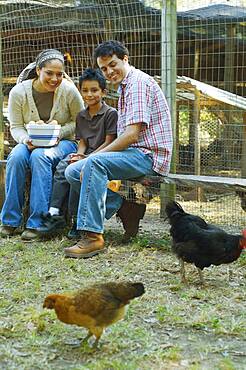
column 97, row 202
column 42, row 163
column 62, row 191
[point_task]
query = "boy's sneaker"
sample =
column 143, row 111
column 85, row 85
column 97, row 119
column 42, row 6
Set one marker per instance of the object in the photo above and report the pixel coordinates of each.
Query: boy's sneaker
column 74, row 233
column 51, row 224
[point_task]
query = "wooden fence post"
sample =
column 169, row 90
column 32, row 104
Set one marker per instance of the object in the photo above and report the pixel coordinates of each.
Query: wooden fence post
column 2, row 170
column 168, row 82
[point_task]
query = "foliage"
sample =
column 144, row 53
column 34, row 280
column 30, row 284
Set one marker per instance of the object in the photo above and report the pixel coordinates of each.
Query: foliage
column 210, row 127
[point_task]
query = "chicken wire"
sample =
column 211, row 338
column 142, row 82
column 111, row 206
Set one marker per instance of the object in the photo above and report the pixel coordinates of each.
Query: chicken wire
column 211, row 41
column 211, row 49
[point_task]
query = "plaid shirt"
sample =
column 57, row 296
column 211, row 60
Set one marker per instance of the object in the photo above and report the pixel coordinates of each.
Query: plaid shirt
column 142, row 100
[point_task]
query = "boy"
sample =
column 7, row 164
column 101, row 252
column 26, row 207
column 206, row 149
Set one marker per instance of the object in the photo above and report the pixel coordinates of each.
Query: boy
column 95, row 129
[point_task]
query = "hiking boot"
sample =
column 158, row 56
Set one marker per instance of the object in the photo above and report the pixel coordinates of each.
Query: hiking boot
column 6, row 231
column 89, row 245
column 51, row 224
column 73, row 232
column 130, row 214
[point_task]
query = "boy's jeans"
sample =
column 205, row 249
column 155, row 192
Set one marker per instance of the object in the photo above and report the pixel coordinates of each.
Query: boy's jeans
column 42, row 163
column 96, row 201
column 62, row 191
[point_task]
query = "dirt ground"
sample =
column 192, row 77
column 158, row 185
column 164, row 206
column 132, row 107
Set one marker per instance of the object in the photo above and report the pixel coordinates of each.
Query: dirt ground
column 172, row 326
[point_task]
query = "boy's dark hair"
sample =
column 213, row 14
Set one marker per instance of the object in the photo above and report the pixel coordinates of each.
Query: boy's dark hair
column 109, row 48
column 91, row 74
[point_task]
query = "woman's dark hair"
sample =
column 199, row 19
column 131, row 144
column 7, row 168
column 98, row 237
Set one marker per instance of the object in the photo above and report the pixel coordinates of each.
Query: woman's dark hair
column 91, row 74
column 109, row 48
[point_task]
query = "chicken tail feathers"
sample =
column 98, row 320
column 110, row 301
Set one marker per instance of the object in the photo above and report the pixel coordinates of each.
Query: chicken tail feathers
column 173, row 208
column 131, row 291
column 125, row 291
column 139, row 289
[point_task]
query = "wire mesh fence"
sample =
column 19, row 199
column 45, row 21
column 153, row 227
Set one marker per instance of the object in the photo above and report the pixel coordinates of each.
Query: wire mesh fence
column 211, row 59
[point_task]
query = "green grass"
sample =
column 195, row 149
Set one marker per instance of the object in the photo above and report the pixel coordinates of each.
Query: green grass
column 172, row 326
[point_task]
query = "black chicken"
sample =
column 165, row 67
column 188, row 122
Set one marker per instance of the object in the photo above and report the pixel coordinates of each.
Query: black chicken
column 196, row 241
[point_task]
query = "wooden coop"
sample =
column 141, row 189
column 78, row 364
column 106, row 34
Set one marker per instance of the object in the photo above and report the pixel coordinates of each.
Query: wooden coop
column 196, row 95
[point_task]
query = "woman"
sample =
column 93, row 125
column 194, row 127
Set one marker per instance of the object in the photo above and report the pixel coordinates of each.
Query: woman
column 42, row 93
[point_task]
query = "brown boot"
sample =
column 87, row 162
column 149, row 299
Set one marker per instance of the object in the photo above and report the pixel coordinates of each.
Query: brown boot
column 89, row 245
column 130, row 214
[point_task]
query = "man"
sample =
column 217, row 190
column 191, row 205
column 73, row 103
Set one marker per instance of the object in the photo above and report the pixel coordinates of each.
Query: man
column 143, row 147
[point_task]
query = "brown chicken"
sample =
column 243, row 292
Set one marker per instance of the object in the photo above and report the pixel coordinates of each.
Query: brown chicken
column 196, row 241
column 95, row 307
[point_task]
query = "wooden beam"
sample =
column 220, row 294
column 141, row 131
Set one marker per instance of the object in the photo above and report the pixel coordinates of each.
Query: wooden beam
column 243, row 160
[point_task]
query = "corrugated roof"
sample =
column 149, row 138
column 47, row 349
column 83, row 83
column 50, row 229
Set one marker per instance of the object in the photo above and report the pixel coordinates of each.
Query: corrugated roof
column 50, row 3
column 215, row 93
column 220, row 12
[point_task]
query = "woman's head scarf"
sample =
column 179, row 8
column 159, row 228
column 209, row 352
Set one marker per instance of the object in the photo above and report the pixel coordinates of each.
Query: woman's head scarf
column 30, row 71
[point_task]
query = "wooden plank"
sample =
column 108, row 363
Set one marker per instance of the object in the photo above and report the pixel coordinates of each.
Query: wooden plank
column 9, row 80
column 236, row 184
column 208, row 181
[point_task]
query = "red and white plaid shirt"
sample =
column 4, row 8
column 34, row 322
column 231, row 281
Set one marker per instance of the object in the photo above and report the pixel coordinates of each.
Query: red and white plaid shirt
column 142, row 100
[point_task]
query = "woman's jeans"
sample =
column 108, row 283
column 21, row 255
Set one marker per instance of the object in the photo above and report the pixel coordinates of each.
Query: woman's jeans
column 42, row 163
column 97, row 202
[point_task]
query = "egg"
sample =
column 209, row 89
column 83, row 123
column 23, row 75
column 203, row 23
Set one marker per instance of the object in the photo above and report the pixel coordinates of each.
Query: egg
column 40, row 122
column 53, row 122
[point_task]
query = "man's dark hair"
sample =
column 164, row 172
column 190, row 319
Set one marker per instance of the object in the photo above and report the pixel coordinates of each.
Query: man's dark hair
column 109, row 48
column 91, row 74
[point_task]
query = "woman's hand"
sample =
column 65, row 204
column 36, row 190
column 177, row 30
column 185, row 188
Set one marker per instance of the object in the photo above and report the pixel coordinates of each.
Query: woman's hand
column 53, row 122
column 29, row 145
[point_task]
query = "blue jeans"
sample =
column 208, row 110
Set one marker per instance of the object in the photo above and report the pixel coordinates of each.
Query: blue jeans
column 97, row 202
column 42, row 163
column 62, row 191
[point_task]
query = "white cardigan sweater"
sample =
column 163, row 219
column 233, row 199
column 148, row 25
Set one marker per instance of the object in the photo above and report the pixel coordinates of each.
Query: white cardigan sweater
column 22, row 109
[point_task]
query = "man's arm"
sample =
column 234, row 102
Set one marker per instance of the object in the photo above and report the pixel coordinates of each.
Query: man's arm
column 130, row 136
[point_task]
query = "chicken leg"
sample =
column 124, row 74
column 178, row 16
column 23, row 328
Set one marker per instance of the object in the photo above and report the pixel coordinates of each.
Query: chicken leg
column 200, row 276
column 182, row 271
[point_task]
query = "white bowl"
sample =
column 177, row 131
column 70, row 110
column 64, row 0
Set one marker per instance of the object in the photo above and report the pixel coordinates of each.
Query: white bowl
column 44, row 134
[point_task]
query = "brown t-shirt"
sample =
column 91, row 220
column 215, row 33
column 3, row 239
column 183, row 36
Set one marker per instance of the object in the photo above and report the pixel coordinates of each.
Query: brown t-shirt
column 93, row 130
column 44, row 103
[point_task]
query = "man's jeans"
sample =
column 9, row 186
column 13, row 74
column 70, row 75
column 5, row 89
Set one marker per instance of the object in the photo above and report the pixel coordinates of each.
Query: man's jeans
column 42, row 163
column 97, row 202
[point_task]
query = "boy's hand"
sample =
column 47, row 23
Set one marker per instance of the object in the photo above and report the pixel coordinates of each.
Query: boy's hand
column 74, row 157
